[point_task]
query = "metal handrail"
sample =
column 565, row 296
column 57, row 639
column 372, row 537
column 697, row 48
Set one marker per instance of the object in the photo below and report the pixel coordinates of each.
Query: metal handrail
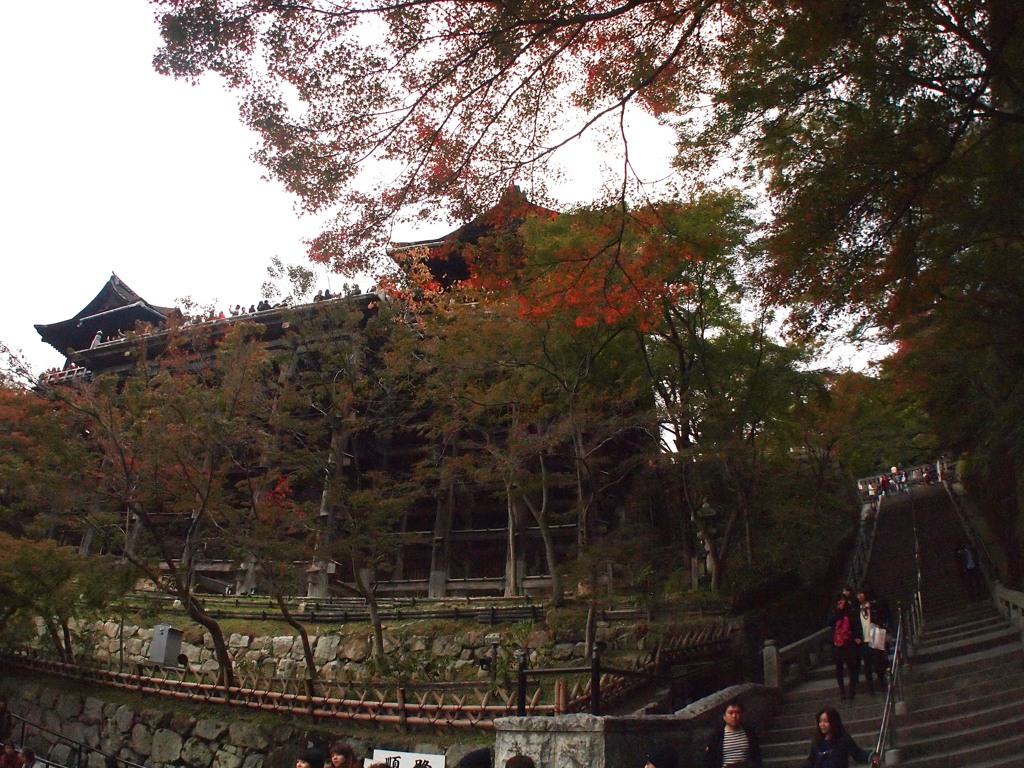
column 917, row 606
column 80, row 748
column 915, row 619
column 886, row 732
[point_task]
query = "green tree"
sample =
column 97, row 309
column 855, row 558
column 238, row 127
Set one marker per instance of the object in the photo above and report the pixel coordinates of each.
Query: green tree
column 887, row 135
column 44, row 469
column 344, row 413
column 40, row 580
column 534, row 410
column 170, row 437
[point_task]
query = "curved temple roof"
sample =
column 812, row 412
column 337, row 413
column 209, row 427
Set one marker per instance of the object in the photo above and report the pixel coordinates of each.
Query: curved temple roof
column 446, row 262
column 116, row 308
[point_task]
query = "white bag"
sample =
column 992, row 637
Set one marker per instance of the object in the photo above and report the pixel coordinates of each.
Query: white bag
column 876, row 637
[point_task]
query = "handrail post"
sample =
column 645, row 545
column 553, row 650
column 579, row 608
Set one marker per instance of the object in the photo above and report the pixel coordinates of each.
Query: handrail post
column 770, row 659
column 595, row 682
column 521, row 683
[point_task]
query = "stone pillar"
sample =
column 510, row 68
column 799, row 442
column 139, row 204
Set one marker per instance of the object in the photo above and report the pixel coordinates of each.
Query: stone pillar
column 438, row 586
column 562, row 740
column 316, row 580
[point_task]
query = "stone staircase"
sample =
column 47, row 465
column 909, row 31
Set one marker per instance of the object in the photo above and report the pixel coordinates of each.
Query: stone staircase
column 963, row 688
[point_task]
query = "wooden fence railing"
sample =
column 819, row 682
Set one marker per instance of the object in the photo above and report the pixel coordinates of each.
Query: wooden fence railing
column 471, row 704
column 346, row 610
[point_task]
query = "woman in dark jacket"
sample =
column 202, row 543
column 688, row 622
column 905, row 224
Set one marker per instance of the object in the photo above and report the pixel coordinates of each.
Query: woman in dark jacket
column 844, row 624
column 833, row 747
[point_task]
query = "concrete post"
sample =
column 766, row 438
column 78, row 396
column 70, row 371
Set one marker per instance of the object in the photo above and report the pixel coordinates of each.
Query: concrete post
column 770, row 657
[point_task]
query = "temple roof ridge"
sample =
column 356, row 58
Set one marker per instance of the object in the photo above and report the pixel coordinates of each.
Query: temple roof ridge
column 115, row 308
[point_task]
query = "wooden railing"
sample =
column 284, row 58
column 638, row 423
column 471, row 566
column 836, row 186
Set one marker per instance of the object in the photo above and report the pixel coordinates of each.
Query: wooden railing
column 484, row 610
column 462, row 704
column 466, row 705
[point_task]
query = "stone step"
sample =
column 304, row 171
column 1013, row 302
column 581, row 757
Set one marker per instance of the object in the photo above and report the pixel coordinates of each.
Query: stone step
column 1007, row 654
column 776, row 740
column 798, row 747
column 824, row 672
column 973, row 612
column 956, row 648
column 963, row 718
column 796, row 755
column 979, row 624
column 986, row 676
column 970, row 688
column 862, row 711
column 799, row 705
column 1010, row 761
column 954, row 618
column 972, row 752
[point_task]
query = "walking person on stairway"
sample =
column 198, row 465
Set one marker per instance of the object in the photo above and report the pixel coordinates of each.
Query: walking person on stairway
column 874, row 624
column 833, row 747
column 970, row 572
column 847, row 636
column 732, row 745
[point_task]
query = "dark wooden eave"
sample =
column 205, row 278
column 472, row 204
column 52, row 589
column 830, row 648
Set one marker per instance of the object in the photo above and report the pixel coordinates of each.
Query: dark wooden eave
column 445, row 260
column 115, row 308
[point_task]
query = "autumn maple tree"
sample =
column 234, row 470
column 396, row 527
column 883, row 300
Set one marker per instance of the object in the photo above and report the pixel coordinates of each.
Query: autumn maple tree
column 171, row 438
column 884, row 135
column 887, row 141
column 343, row 412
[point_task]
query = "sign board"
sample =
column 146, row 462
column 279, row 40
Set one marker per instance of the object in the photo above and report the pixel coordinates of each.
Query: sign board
column 393, row 759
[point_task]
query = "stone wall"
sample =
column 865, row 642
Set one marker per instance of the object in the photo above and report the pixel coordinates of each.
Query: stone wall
column 187, row 736
column 586, row 741
column 345, row 656
column 150, row 736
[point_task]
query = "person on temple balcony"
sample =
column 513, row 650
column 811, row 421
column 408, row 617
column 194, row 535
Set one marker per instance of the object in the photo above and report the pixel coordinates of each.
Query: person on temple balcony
column 96, row 340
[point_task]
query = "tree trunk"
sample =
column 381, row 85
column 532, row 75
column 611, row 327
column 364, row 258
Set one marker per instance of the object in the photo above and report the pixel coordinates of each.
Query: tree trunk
column 583, row 533
column 69, row 650
column 378, row 628
column 557, row 590
column 540, row 514
column 590, row 633
column 511, row 558
column 51, row 630
column 367, row 591
column 220, row 647
column 307, row 650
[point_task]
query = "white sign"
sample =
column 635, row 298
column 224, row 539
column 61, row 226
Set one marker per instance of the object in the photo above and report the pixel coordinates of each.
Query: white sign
column 393, row 759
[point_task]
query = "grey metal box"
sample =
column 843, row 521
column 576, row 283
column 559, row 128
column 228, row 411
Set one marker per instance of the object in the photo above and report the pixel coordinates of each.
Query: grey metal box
column 166, row 645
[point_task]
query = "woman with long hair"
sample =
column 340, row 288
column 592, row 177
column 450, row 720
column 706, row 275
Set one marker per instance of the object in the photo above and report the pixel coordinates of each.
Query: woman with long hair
column 847, row 636
column 833, row 747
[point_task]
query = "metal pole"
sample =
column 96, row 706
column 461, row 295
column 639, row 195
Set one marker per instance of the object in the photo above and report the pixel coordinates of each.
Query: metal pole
column 595, row 682
column 521, row 684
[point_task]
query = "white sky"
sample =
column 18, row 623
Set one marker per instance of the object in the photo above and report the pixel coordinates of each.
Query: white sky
column 110, row 167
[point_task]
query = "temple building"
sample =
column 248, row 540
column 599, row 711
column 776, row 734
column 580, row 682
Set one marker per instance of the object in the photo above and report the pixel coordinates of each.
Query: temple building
column 445, row 254
column 456, row 543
